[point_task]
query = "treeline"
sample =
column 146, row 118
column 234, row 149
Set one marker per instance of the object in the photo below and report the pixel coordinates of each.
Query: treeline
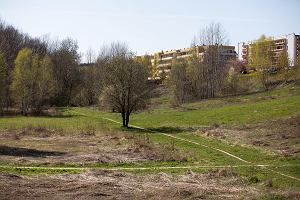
column 36, row 73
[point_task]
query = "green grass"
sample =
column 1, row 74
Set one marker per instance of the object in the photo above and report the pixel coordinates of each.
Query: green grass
column 69, row 121
column 227, row 115
column 34, row 171
column 227, row 111
column 253, row 108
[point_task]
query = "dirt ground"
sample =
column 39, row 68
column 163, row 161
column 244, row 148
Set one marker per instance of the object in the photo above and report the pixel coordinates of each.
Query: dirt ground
column 44, row 146
column 120, row 185
column 281, row 136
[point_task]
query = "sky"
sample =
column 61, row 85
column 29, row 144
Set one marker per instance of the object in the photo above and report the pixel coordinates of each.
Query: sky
column 149, row 26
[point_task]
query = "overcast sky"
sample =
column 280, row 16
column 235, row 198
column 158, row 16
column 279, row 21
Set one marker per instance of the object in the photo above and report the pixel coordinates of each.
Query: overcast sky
column 150, row 25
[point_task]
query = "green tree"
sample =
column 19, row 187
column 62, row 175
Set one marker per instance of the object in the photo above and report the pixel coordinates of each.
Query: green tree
column 22, row 80
column 3, row 75
column 296, row 74
column 261, row 58
column 283, row 61
column 32, row 82
column 45, row 85
column 261, row 54
column 283, row 64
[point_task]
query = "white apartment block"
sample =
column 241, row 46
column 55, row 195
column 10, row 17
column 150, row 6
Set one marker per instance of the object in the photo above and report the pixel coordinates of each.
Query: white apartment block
column 289, row 43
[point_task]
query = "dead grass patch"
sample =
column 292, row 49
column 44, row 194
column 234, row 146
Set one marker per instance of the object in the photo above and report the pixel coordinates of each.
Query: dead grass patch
column 99, row 184
column 281, row 136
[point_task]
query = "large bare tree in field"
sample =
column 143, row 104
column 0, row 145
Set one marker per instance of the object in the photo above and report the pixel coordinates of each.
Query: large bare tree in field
column 125, row 80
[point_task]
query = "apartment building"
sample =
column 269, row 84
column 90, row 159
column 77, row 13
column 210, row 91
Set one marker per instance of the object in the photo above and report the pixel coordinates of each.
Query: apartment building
column 289, row 43
column 162, row 61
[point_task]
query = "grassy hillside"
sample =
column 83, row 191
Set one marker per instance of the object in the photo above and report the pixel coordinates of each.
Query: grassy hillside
column 227, row 111
column 182, row 122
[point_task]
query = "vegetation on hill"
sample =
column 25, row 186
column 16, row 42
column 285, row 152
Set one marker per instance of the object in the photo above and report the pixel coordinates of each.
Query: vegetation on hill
column 186, row 122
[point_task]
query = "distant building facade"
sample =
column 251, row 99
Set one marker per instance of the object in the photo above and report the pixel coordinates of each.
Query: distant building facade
column 289, row 43
column 162, row 61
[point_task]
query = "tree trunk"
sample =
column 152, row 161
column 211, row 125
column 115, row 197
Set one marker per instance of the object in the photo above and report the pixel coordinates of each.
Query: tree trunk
column 124, row 119
column 127, row 119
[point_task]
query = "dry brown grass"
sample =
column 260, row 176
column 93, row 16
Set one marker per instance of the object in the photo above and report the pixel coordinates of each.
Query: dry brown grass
column 99, row 184
column 167, row 152
column 281, row 136
column 87, row 146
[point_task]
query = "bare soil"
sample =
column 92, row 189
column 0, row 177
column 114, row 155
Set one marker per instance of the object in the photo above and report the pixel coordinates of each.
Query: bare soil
column 100, row 184
column 281, row 136
column 44, row 146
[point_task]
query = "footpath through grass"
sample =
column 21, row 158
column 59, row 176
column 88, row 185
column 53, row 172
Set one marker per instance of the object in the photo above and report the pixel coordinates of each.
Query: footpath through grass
column 167, row 120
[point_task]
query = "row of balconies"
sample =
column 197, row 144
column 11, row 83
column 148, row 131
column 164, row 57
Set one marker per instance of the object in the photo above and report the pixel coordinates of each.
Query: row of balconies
column 164, row 70
column 183, row 56
column 164, row 61
column 174, row 57
column 166, row 65
column 167, row 58
column 282, row 41
column 277, row 50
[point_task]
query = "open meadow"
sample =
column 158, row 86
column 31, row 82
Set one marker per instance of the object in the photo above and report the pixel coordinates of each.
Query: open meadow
column 158, row 100
column 243, row 147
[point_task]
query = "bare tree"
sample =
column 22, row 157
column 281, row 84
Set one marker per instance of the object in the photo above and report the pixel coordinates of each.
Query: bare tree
column 90, row 86
column 90, row 56
column 3, row 73
column 179, row 79
column 202, row 75
column 125, row 80
column 283, row 64
column 65, row 58
column 213, row 37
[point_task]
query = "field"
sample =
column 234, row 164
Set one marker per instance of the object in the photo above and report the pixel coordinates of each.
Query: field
column 242, row 147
